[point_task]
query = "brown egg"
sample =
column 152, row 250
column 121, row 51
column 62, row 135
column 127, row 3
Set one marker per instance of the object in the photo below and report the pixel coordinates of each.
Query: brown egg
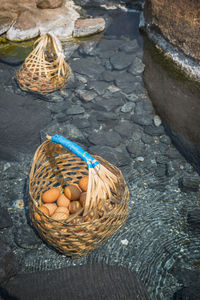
column 44, row 209
column 83, row 198
column 72, row 192
column 51, row 195
column 59, row 216
column 74, row 207
column 61, row 209
column 83, row 183
column 51, row 207
column 63, row 201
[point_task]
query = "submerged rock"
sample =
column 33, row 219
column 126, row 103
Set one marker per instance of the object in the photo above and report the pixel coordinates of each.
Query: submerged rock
column 85, row 27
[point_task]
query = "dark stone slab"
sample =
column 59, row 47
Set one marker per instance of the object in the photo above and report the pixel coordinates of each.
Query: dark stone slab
column 98, row 86
column 193, row 218
column 153, row 130
column 127, row 129
column 115, row 157
column 130, row 46
column 103, row 116
column 136, row 149
column 5, row 219
column 89, row 66
column 25, row 237
column 120, row 61
column 187, row 184
column 8, row 263
column 21, row 120
column 161, row 170
column 145, row 119
column 109, row 138
column 87, row 282
column 109, row 104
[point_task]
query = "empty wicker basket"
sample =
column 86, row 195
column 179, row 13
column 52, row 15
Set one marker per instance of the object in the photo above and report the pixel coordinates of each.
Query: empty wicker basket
column 55, row 166
column 45, row 69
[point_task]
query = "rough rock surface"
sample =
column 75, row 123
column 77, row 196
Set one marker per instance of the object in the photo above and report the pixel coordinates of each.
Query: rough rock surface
column 22, row 20
column 178, row 21
column 8, row 264
column 84, row 27
column 49, row 3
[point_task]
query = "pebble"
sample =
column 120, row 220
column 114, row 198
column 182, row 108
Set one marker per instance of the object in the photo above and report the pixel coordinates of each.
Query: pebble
column 157, row 121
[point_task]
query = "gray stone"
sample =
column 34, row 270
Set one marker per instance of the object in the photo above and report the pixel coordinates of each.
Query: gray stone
column 109, row 45
column 126, row 82
column 75, row 110
column 98, row 86
column 85, row 27
column 145, row 119
column 8, row 263
column 5, row 219
column 157, row 121
column 104, row 116
column 81, row 123
column 67, row 130
column 155, row 131
column 109, row 138
column 117, row 158
column 136, row 149
column 187, row 184
column 126, row 128
column 25, row 237
column 161, row 170
column 172, row 153
column 147, row 139
column 128, row 107
column 193, row 218
column 130, row 46
column 120, row 61
column 86, row 95
column 89, row 66
column 137, row 67
column 109, row 104
column 165, row 139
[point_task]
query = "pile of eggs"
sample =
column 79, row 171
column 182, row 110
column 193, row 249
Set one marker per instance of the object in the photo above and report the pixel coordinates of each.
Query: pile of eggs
column 59, row 206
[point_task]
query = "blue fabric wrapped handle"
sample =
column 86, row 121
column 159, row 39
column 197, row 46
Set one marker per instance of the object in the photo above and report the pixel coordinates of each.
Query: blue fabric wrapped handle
column 76, row 149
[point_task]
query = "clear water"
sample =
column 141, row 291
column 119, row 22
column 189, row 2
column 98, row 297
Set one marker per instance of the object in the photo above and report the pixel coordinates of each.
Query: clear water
column 156, row 236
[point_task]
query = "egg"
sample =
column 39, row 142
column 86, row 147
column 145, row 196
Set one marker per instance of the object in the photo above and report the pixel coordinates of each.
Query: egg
column 83, row 198
column 83, row 183
column 51, row 207
column 51, row 195
column 63, row 201
column 72, row 192
column 45, row 210
column 61, row 209
column 74, row 207
column 59, row 216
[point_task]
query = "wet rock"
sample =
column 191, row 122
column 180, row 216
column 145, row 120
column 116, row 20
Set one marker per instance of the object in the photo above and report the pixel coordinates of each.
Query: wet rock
column 104, row 116
column 126, row 129
column 25, row 117
column 193, row 218
column 157, row 121
column 147, row 139
column 178, row 24
column 142, row 120
column 130, row 46
column 153, row 130
column 187, row 184
column 5, row 219
column 98, row 86
column 8, row 263
column 81, row 123
column 86, row 95
column 161, row 170
column 32, row 21
column 49, row 3
column 120, row 61
column 111, row 103
column 190, row 293
column 128, row 107
column 109, row 138
column 85, row 27
column 136, row 149
column 126, row 82
column 89, row 66
column 137, row 66
column 5, row 23
column 25, row 237
column 75, row 110
column 117, row 158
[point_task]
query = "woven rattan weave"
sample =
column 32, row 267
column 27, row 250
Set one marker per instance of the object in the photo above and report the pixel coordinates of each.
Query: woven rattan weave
column 55, row 166
column 45, row 69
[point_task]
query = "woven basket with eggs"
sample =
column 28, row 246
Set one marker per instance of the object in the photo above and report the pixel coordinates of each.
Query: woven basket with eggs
column 77, row 201
column 44, row 69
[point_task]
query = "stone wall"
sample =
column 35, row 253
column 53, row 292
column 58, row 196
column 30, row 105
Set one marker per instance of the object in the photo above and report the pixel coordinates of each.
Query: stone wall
column 178, row 21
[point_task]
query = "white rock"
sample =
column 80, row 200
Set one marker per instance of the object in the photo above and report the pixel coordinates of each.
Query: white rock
column 157, row 121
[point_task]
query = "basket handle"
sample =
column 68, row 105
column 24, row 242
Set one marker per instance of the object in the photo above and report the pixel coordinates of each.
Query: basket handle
column 76, row 149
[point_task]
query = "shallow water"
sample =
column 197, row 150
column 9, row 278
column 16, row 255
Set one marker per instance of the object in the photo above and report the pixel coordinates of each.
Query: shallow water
column 156, row 239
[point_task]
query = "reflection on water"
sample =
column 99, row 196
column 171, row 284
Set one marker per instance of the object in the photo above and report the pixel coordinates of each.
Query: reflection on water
column 176, row 100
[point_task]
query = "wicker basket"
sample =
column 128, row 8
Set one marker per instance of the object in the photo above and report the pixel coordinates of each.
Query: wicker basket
column 55, row 166
column 45, row 69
